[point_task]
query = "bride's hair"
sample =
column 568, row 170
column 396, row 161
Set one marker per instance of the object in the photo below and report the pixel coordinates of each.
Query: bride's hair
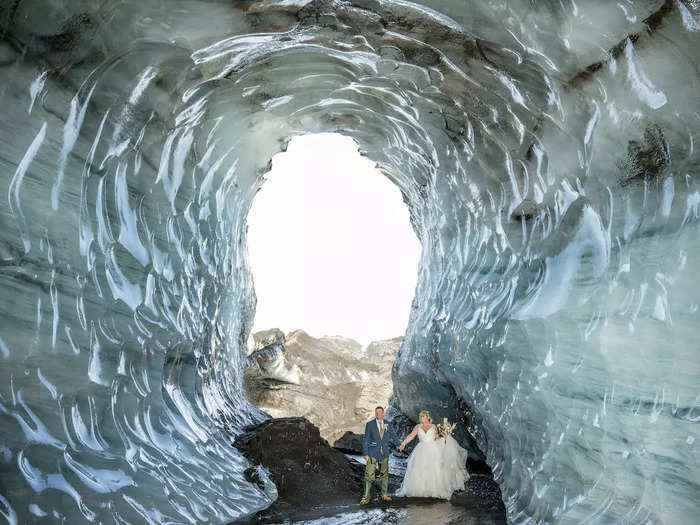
column 426, row 414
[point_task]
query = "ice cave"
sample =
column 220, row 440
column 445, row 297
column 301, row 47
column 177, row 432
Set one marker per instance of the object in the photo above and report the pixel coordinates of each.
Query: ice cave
column 546, row 153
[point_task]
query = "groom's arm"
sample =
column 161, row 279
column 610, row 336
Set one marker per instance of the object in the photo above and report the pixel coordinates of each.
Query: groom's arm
column 365, row 441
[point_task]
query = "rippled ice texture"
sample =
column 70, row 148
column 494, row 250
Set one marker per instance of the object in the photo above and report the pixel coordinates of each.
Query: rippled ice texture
column 547, row 153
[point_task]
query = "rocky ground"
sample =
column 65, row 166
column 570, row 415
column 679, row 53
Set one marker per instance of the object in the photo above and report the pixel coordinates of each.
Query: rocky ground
column 332, row 381
column 318, row 483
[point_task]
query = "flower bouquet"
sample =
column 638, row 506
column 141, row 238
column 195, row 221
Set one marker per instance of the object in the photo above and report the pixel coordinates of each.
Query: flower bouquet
column 445, row 429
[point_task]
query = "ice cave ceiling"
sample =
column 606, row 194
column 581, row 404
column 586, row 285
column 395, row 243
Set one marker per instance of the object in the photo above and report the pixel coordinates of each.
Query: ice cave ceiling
column 546, row 151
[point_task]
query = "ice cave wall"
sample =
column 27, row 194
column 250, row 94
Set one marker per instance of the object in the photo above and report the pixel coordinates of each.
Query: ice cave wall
column 547, row 156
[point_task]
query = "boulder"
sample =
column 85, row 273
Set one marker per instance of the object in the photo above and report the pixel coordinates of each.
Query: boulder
column 349, row 443
column 305, row 469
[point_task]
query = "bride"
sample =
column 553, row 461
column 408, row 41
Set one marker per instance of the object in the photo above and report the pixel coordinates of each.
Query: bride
column 436, row 467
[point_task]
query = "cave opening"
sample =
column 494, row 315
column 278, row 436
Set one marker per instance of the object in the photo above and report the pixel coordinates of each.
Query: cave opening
column 334, row 262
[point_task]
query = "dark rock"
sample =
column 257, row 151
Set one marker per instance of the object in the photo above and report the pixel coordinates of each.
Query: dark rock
column 349, row 443
column 252, row 475
column 305, row 469
column 652, row 23
column 480, row 492
column 525, row 211
column 477, row 466
column 646, row 159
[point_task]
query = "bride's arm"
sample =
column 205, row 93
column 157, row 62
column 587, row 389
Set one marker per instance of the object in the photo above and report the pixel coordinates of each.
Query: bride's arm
column 436, row 433
column 409, row 438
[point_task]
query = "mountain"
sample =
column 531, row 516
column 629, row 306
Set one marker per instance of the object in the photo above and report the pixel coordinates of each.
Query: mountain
column 332, row 381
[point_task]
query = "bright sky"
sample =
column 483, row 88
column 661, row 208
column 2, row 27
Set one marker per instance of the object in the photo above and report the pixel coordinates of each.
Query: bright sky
column 330, row 243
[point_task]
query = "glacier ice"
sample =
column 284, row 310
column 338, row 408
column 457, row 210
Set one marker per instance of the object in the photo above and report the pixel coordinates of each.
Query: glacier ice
column 546, row 152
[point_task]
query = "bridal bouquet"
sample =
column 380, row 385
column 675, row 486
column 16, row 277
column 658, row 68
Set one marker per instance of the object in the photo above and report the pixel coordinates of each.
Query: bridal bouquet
column 445, row 429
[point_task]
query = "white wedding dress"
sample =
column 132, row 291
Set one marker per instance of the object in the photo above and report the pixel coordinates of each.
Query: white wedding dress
column 436, row 467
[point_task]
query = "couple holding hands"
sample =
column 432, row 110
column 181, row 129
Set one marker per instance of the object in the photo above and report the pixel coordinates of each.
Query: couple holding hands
column 435, row 468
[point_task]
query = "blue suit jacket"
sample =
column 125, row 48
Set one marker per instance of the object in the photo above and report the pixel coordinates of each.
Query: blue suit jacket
column 375, row 446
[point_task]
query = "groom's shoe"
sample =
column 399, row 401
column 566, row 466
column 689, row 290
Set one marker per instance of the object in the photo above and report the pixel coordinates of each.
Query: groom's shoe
column 364, row 501
column 385, row 497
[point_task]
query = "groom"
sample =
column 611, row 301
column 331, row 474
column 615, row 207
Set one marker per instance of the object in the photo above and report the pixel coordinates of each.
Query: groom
column 375, row 447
